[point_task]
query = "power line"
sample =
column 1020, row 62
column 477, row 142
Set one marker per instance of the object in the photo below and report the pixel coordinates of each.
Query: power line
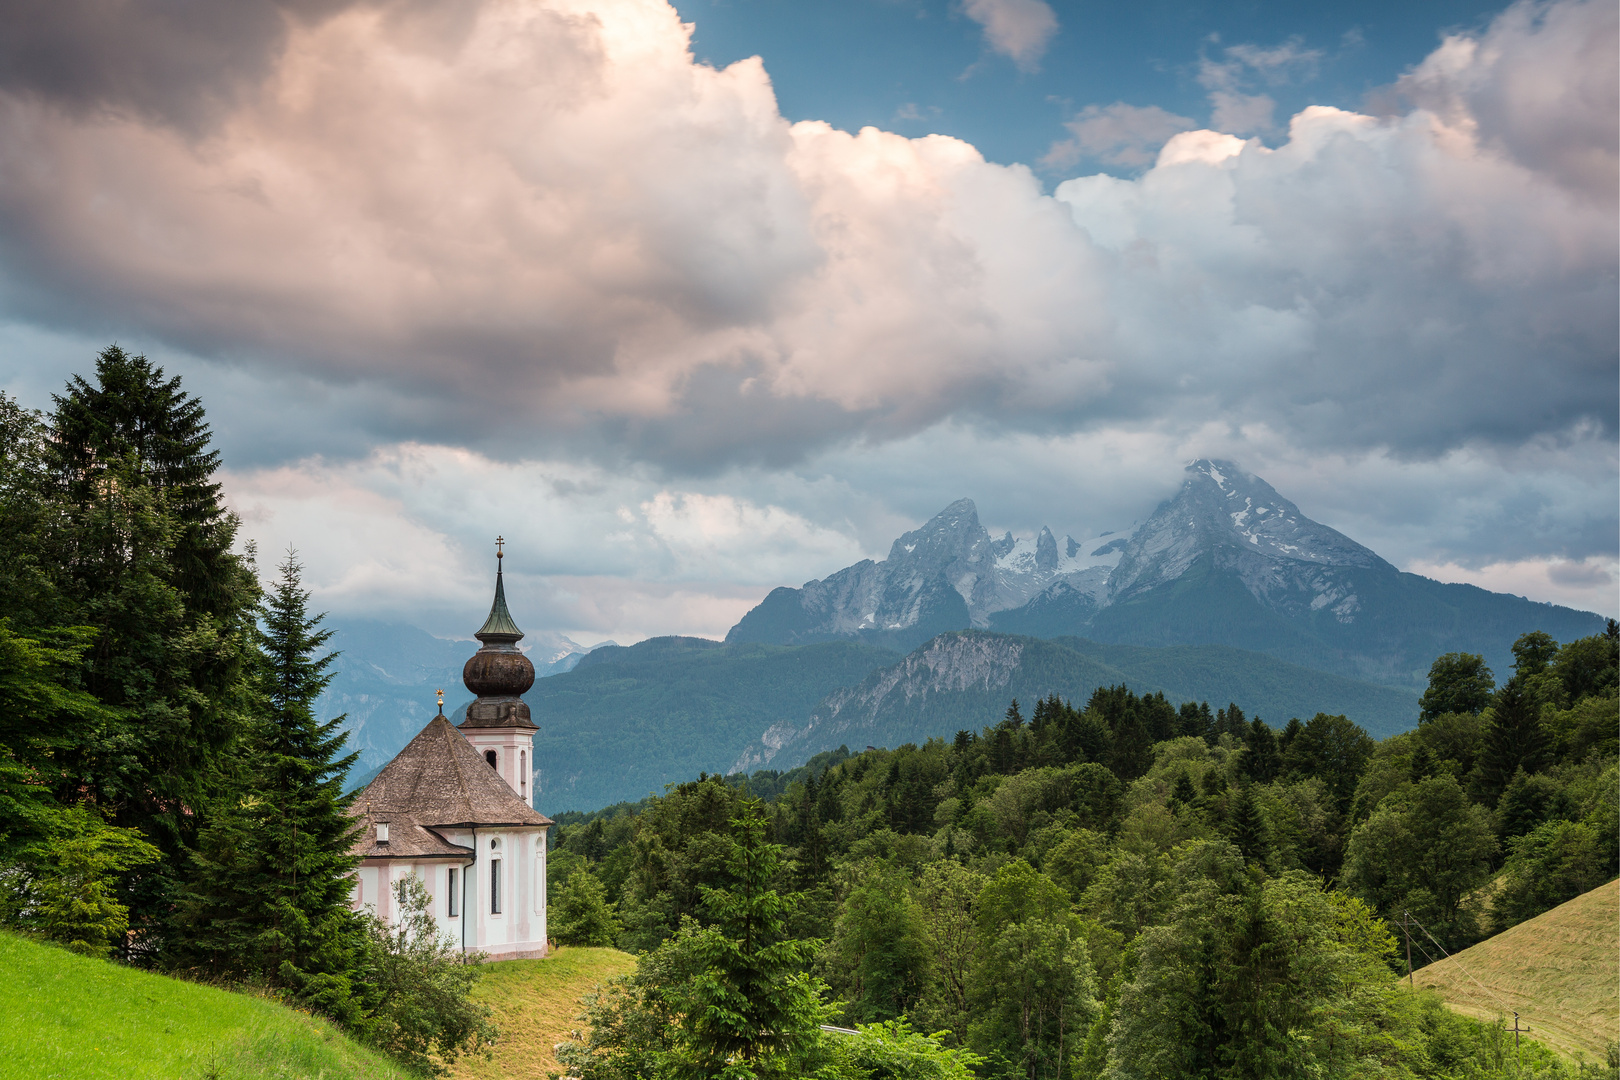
column 1505, row 1006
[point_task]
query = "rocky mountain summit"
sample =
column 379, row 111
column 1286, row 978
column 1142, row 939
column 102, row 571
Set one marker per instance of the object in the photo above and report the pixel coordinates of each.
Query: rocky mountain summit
column 1227, row 560
column 1242, row 524
column 947, row 575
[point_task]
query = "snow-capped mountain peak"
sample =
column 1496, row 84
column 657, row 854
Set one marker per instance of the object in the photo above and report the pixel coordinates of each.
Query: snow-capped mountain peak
column 1238, row 521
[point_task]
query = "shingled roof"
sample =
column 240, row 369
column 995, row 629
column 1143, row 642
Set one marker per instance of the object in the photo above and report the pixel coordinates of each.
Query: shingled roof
column 407, row 839
column 439, row 780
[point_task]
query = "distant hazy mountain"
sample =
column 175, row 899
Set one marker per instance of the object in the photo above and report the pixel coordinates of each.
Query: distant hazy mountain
column 628, row 720
column 1227, row 561
column 964, row 680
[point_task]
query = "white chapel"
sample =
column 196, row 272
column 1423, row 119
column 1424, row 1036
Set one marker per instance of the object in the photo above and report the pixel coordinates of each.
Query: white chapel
column 456, row 809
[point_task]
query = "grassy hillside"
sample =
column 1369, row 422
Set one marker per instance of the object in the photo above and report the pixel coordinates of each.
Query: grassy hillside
column 629, row 720
column 1560, row 970
column 68, row 1017
column 535, row 1002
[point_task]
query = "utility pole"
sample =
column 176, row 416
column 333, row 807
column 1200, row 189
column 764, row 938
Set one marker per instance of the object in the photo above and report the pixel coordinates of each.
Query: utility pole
column 1518, row 1053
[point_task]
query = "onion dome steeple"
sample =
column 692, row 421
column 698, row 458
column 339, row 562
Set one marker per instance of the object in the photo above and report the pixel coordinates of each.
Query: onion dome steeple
column 498, row 673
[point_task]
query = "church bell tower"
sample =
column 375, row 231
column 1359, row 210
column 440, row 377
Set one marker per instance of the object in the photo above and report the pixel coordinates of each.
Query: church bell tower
column 497, row 723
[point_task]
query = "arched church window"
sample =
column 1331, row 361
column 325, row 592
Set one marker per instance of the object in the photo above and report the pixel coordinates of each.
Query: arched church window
column 489, row 756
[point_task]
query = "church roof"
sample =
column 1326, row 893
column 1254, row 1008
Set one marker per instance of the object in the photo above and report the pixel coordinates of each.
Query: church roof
column 407, row 838
column 439, row 780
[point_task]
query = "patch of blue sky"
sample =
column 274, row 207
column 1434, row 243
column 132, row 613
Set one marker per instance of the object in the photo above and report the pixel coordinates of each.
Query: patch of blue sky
column 927, row 66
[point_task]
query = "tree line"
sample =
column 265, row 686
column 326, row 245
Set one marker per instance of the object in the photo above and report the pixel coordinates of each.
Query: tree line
column 168, row 796
column 1127, row 889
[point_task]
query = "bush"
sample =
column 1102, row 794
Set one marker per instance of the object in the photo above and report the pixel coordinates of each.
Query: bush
column 62, row 887
column 422, row 1012
column 581, row 913
column 892, row 1051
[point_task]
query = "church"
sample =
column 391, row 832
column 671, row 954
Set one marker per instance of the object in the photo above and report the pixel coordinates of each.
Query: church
column 456, row 809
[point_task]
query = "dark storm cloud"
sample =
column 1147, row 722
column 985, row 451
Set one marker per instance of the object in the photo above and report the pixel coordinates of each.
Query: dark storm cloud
column 176, row 61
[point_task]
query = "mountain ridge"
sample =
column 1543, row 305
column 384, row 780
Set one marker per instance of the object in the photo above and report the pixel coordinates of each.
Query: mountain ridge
column 1227, row 560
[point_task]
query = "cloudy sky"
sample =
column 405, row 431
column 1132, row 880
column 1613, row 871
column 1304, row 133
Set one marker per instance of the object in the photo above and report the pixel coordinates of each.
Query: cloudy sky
column 691, row 301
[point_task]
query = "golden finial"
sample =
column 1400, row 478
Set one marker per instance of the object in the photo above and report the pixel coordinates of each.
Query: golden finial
column 441, row 701
column 500, row 541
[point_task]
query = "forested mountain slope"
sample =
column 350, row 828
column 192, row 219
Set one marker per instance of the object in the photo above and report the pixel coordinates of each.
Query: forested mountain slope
column 956, row 680
column 630, row 719
column 1122, row 888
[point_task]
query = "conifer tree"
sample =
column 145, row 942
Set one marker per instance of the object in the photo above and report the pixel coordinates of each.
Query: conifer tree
column 752, row 1010
column 1248, row 829
column 270, row 890
column 1515, row 739
column 1261, row 761
column 139, row 545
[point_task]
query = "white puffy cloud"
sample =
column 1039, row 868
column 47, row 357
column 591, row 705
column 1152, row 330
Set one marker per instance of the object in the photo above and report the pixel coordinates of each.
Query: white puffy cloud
column 553, row 221
column 409, row 530
column 1228, row 80
column 556, row 216
column 542, row 232
column 1017, row 29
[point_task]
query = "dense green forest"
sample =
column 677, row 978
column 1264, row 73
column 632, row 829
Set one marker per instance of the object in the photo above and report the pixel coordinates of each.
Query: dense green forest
column 1134, row 888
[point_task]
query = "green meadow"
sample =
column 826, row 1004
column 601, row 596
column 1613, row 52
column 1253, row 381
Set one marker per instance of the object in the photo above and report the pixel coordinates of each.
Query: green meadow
column 68, row 1017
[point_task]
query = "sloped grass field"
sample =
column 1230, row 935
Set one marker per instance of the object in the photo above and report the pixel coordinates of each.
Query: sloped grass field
column 67, row 1017
column 1560, row 970
column 535, row 1003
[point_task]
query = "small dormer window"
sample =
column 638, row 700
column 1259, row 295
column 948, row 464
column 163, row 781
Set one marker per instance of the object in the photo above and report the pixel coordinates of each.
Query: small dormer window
column 489, row 756
column 382, row 832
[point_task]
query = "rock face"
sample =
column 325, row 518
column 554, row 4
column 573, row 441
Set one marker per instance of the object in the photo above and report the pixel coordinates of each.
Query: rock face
column 1226, row 561
column 1240, row 524
column 949, row 574
column 895, row 699
column 964, row 680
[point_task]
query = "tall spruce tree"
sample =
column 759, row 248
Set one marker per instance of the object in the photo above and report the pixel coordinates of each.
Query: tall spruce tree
column 1261, row 761
column 140, row 547
column 270, row 890
column 1515, row 739
column 753, row 1010
column 132, row 414
column 1246, row 827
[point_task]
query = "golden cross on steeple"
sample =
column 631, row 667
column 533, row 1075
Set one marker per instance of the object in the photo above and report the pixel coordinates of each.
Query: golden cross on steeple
column 499, row 542
column 441, row 701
